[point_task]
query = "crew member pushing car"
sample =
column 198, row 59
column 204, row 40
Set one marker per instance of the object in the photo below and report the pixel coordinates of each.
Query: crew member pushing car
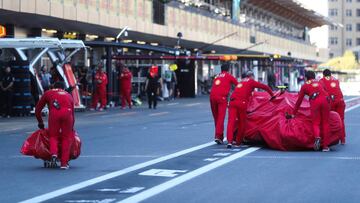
column 218, row 100
column 332, row 86
column 320, row 109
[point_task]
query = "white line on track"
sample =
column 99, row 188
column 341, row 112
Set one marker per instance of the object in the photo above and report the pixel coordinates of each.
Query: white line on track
column 114, row 174
column 351, row 108
column 159, row 114
column 352, row 99
column 181, row 179
column 193, row 104
column 172, row 104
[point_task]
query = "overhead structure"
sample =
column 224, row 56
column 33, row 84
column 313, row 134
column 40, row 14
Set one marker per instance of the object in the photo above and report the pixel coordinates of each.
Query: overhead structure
column 59, row 52
column 292, row 10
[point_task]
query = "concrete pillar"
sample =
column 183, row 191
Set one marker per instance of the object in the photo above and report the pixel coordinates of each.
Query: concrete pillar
column 235, row 11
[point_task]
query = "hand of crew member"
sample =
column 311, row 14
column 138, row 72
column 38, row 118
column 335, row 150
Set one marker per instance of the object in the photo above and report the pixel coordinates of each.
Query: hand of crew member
column 41, row 126
column 272, row 98
column 289, row 116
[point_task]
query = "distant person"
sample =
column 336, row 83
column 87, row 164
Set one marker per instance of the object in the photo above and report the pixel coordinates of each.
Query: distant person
column 61, row 121
column 319, row 107
column 332, row 86
column 100, row 93
column 239, row 101
column 153, row 84
column 7, row 88
column 125, row 87
column 170, row 82
column 218, row 99
column 45, row 78
column 83, row 80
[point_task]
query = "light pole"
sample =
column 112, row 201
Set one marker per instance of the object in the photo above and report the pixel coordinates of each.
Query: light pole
column 123, row 31
column 179, row 35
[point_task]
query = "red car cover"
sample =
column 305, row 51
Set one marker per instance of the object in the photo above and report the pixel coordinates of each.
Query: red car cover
column 266, row 123
column 37, row 145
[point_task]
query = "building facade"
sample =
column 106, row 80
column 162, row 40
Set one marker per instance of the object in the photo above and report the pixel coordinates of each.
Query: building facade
column 347, row 14
column 276, row 27
column 276, row 31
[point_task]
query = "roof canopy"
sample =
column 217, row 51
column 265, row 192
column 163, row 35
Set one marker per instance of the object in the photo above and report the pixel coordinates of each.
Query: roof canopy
column 293, row 11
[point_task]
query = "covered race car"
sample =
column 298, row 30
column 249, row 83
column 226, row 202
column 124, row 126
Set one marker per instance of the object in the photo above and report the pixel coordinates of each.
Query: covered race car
column 266, row 123
column 37, row 145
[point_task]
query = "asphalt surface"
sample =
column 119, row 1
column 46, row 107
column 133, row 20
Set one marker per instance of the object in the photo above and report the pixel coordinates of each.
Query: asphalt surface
column 166, row 155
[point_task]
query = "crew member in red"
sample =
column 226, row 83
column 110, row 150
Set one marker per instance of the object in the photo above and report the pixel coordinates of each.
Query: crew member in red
column 332, row 86
column 100, row 89
column 239, row 100
column 320, row 109
column 61, row 121
column 125, row 87
column 218, row 100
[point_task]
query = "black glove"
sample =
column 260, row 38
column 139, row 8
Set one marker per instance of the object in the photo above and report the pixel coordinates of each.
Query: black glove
column 289, row 116
column 41, row 126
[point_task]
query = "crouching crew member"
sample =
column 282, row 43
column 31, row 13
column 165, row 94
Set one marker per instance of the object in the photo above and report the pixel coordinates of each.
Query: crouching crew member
column 61, row 121
column 332, row 87
column 218, row 100
column 100, row 89
column 320, row 109
column 239, row 100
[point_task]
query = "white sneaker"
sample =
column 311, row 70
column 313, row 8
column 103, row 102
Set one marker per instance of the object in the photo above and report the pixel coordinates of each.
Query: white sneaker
column 92, row 109
column 65, row 167
column 327, row 149
column 101, row 109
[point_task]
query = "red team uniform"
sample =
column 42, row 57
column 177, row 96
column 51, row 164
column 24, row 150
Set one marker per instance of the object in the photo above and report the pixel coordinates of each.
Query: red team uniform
column 337, row 104
column 320, row 109
column 125, row 87
column 238, row 105
column 100, row 90
column 61, row 119
column 218, row 101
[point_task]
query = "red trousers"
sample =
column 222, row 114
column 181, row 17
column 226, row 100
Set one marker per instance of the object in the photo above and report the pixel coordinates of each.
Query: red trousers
column 320, row 110
column 218, row 108
column 100, row 94
column 236, row 119
column 125, row 97
column 339, row 107
column 61, row 123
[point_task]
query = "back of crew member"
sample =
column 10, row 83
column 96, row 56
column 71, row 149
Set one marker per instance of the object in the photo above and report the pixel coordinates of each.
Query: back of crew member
column 60, row 122
column 219, row 99
column 320, row 109
column 332, row 87
column 239, row 100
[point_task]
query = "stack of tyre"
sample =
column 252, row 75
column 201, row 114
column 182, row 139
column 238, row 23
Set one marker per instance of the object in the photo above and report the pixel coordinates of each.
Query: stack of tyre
column 22, row 98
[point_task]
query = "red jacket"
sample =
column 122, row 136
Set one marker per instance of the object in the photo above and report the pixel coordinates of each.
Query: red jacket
column 309, row 88
column 332, row 86
column 125, row 79
column 101, row 79
column 222, row 84
column 245, row 88
column 63, row 98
